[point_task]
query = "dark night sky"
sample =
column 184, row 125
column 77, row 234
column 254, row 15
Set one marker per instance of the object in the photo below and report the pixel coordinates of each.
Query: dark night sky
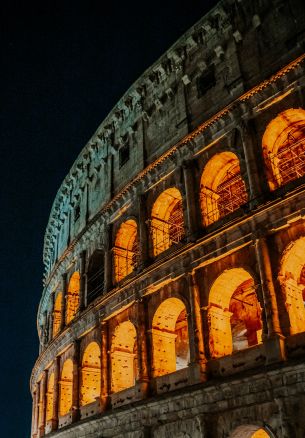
column 64, row 66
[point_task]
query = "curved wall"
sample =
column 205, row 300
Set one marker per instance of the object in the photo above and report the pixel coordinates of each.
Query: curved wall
column 170, row 244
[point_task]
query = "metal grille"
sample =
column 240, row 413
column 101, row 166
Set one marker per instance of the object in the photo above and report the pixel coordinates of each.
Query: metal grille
column 167, row 233
column 125, row 260
column 289, row 162
column 95, row 284
column 230, row 195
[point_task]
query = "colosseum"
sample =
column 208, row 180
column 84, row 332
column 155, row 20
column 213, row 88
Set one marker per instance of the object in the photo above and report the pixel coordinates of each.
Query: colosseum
column 174, row 285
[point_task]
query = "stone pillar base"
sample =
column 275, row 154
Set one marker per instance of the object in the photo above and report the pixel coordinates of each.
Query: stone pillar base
column 275, row 349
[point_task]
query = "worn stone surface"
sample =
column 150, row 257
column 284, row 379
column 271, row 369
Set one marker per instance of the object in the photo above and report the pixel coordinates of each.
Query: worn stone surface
column 212, row 94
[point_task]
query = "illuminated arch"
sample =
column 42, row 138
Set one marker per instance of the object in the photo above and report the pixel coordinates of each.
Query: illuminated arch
column 292, row 279
column 50, row 398
column 125, row 251
column 72, row 297
column 250, row 431
column 66, row 388
column 222, row 189
column 170, row 337
column 95, row 276
column 123, row 357
column 57, row 314
column 283, row 146
column 90, row 374
column 167, row 223
column 234, row 313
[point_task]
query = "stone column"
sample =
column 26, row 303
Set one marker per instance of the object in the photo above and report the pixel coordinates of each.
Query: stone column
column 37, row 415
column 143, row 377
column 143, row 232
column 108, row 261
column 56, row 394
column 75, row 381
column 63, row 302
column 104, row 366
column 191, row 201
column 34, row 413
column 274, row 331
column 42, row 407
column 196, row 327
column 82, row 289
column 51, row 317
column 250, row 150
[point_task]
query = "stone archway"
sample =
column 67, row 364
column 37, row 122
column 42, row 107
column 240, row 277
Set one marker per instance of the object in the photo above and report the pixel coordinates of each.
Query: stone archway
column 167, row 223
column 222, row 189
column 90, row 374
column 170, row 337
column 250, row 431
column 292, row 280
column 234, row 313
column 123, row 357
column 125, row 251
column 283, row 146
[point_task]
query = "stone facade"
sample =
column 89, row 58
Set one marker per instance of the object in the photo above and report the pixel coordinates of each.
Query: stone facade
column 173, row 301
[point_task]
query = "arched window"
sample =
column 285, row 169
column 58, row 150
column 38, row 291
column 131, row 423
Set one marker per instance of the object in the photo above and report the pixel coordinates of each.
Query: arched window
column 65, row 388
column 222, row 189
column 170, row 337
column 72, row 302
column 234, row 313
column 123, row 357
column 167, row 223
column 90, row 374
column 284, row 147
column 50, row 398
column 125, row 251
column 292, row 279
column 95, row 276
column 250, row 431
column 57, row 314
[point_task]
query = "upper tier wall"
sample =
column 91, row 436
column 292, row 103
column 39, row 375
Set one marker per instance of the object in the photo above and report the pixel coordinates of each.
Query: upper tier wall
column 210, row 66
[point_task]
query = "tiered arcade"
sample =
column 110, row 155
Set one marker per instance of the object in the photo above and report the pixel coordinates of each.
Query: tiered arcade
column 175, row 274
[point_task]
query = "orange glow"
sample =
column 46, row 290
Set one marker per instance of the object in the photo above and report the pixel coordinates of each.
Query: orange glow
column 284, row 147
column 72, row 297
column 50, row 398
column 249, row 431
column 234, row 313
column 292, row 280
column 222, row 189
column 65, row 388
column 123, row 357
column 57, row 314
column 125, row 251
column 170, row 337
column 90, row 374
column 167, row 224
column 260, row 434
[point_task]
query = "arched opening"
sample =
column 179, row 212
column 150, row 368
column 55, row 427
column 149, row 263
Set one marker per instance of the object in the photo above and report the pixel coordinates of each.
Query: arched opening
column 170, row 338
column 125, row 251
column 72, row 302
column 284, row 147
column 167, row 223
column 123, row 357
column 57, row 314
column 234, row 313
column 65, row 388
column 90, row 374
column 50, row 398
column 250, row 431
column 222, row 189
column 292, row 279
column 95, row 276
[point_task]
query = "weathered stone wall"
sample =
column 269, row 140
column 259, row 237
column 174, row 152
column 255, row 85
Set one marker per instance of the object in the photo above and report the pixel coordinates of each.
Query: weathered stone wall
column 216, row 90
